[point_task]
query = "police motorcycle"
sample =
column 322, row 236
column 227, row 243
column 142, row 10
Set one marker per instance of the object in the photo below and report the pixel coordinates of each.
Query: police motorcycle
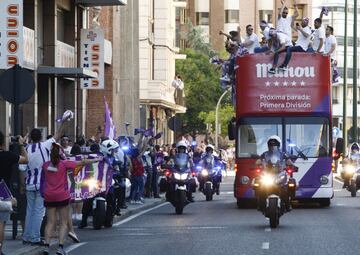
column 351, row 170
column 180, row 181
column 274, row 186
column 101, row 206
column 209, row 173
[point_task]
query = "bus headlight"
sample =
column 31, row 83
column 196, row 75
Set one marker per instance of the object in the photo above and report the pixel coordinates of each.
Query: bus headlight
column 245, row 180
column 324, row 180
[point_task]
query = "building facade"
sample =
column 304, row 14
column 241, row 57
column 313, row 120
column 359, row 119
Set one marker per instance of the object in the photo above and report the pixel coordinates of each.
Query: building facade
column 52, row 55
column 157, row 51
column 227, row 15
column 336, row 19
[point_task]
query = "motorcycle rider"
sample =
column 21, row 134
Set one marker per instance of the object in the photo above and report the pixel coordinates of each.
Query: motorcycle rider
column 109, row 149
column 354, row 153
column 180, row 151
column 208, row 161
column 274, row 143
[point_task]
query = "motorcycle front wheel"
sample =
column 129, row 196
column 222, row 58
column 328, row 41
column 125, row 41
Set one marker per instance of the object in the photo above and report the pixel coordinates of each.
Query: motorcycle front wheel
column 99, row 214
column 273, row 213
column 353, row 189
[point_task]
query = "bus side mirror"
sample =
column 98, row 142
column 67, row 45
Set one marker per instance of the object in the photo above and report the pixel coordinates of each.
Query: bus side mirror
column 232, row 129
column 339, row 147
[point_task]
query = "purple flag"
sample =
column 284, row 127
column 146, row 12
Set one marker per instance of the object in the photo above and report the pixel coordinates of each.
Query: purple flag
column 110, row 128
column 5, row 193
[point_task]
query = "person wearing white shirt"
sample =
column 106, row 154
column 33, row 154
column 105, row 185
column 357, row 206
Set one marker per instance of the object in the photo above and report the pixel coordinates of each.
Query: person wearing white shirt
column 319, row 36
column 280, row 42
column 330, row 43
column 251, row 40
column 265, row 31
column 302, row 44
column 284, row 21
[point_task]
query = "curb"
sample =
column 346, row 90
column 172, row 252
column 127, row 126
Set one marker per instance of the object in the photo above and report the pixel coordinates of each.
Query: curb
column 36, row 250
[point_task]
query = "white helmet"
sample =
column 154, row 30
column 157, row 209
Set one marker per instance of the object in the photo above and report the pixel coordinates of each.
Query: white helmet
column 210, row 146
column 274, row 138
column 107, row 146
column 181, row 144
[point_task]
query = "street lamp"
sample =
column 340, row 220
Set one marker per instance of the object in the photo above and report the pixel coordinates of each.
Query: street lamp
column 217, row 116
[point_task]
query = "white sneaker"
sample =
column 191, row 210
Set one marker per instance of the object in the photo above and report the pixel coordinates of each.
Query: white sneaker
column 139, row 202
column 132, row 202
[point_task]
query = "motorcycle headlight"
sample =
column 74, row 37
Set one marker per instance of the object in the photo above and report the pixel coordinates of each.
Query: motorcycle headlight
column 184, row 176
column 177, row 176
column 267, row 180
column 204, row 172
column 350, row 169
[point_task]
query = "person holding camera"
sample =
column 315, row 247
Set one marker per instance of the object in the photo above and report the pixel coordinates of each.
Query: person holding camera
column 7, row 160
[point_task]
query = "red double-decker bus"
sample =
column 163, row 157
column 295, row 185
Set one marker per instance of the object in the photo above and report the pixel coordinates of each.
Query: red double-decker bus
column 295, row 105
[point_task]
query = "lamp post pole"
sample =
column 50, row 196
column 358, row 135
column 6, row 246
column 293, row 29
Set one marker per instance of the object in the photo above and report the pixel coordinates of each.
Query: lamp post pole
column 217, row 117
column 355, row 126
column 345, row 79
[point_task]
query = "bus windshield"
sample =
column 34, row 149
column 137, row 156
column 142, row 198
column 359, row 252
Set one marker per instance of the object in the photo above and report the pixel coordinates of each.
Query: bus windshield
column 305, row 136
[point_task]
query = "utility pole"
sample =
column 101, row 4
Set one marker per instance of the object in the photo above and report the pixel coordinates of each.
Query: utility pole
column 355, row 127
column 345, row 79
column 217, row 117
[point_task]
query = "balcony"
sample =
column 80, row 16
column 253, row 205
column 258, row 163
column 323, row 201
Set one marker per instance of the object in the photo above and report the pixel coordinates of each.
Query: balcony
column 160, row 93
column 65, row 55
column 101, row 2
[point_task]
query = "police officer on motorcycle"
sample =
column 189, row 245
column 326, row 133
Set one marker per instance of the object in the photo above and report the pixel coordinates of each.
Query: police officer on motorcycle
column 353, row 154
column 181, row 149
column 208, row 161
column 274, row 151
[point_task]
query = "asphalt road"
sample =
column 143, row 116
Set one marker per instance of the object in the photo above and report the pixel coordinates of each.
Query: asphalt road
column 219, row 227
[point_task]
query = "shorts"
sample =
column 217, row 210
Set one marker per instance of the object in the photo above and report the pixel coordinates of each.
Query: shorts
column 4, row 216
column 57, row 204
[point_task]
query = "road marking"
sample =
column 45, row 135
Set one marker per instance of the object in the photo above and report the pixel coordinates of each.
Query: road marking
column 340, row 204
column 337, row 190
column 138, row 214
column 205, row 228
column 136, row 234
column 267, row 229
column 265, row 246
column 74, row 246
column 338, row 181
column 229, row 192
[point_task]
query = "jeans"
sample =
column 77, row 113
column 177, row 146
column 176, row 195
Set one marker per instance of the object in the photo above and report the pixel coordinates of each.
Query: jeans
column 137, row 187
column 276, row 56
column 261, row 49
column 154, row 183
column 289, row 50
column 34, row 215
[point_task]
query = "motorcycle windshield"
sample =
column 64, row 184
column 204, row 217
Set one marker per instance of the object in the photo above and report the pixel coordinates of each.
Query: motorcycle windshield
column 181, row 162
column 273, row 162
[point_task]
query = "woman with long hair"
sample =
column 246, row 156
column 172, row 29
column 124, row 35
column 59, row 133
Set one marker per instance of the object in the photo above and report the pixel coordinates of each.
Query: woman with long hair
column 56, row 193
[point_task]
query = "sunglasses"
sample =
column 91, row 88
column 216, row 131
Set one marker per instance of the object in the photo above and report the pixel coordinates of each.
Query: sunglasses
column 285, row 13
column 250, row 29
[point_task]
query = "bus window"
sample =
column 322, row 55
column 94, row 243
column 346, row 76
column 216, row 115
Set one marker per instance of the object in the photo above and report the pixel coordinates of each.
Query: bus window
column 308, row 139
column 253, row 138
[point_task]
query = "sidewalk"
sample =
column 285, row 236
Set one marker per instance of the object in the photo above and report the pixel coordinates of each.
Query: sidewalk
column 15, row 247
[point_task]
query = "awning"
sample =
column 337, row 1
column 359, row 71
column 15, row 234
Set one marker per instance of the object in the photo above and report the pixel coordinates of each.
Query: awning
column 101, row 2
column 67, row 72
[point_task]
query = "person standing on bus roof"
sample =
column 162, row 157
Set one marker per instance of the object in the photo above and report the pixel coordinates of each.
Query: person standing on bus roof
column 284, row 22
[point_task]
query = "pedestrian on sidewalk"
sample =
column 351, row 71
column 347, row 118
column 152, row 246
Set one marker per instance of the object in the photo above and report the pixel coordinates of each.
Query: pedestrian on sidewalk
column 7, row 161
column 56, row 193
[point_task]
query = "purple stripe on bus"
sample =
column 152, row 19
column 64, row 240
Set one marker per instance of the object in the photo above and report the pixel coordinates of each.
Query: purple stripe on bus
column 311, row 179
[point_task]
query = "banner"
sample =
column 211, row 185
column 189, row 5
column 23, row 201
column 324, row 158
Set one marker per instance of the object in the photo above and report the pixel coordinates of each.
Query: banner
column 90, row 180
column 11, row 33
column 110, row 128
column 92, row 57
